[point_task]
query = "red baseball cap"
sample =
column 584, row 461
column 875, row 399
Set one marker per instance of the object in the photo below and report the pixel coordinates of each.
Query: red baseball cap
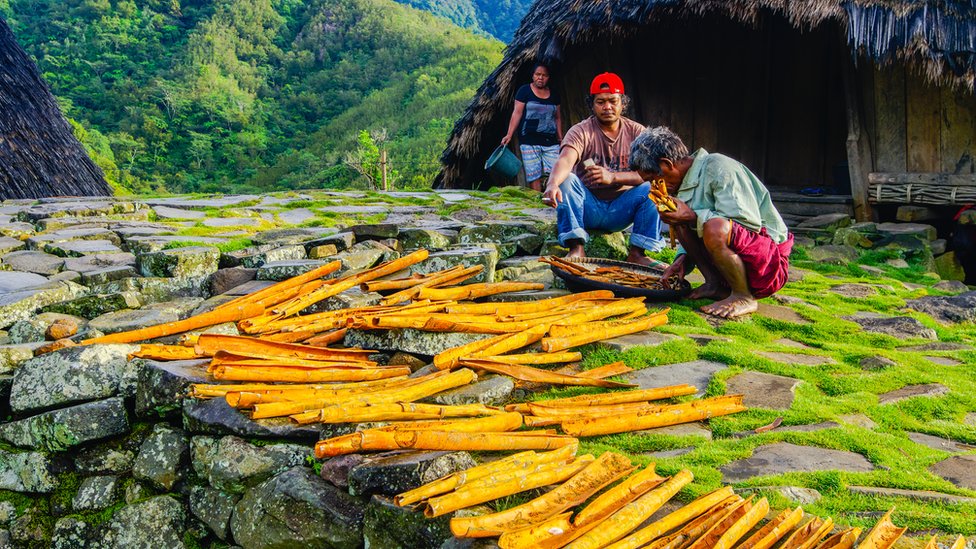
column 607, row 82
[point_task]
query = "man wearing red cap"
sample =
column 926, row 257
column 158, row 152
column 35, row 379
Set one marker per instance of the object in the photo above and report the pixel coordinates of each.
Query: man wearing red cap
column 591, row 185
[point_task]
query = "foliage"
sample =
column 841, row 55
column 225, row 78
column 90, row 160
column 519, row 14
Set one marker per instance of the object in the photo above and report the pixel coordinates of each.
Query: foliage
column 251, row 95
column 498, row 18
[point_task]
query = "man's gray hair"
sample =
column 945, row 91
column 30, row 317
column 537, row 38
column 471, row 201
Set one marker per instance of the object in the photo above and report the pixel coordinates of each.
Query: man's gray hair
column 653, row 145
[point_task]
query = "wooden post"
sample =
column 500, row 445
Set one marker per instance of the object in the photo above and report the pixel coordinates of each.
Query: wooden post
column 858, row 147
column 383, row 168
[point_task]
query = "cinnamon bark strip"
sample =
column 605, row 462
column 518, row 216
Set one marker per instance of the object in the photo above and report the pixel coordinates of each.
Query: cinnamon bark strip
column 619, row 496
column 229, row 314
column 675, row 519
column 558, row 329
column 474, row 291
column 577, row 489
column 405, row 282
column 631, row 516
column 442, row 440
column 528, row 373
column 883, row 535
column 552, row 344
column 521, row 307
column 292, row 282
column 429, row 387
column 537, row 358
column 223, row 357
column 523, row 461
column 696, row 528
column 554, row 473
column 655, row 416
column 153, row 351
column 303, row 375
column 442, row 279
column 846, row 539
column 398, row 411
column 809, row 534
column 209, row 344
column 774, row 530
column 617, row 397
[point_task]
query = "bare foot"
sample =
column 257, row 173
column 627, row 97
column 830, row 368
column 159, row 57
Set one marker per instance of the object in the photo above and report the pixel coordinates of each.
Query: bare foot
column 575, row 251
column 733, row 306
column 709, row 291
column 638, row 258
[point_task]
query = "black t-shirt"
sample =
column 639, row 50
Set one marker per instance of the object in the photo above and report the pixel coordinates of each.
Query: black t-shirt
column 538, row 125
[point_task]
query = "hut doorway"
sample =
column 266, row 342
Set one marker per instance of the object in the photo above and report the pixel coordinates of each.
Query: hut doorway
column 767, row 95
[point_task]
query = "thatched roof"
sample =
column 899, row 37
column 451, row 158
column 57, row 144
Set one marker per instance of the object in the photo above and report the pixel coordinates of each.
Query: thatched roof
column 937, row 37
column 39, row 156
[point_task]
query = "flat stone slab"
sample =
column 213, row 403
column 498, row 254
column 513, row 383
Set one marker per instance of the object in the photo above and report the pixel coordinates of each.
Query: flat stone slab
column 13, row 281
column 30, row 261
column 959, row 470
column 490, row 392
column 912, row 391
column 394, row 473
column 232, row 222
column 79, row 248
column 781, row 313
column 806, row 428
column 858, row 420
column 796, row 494
column 900, row 327
column 409, row 340
column 132, row 319
column 671, row 453
column 647, row 338
column 296, row 216
column 8, row 244
column 944, row 360
column 532, row 295
column 939, row 443
column 704, row 339
column 790, row 343
column 803, row 360
column 921, row 495
column 698, row 373
column 783, row 457
column 165, row 212
column 854, row 291
column 64, row 428
column 761, row 390
column 694, row 429
column 947, row 309
column 216, row 417
column 938, row 346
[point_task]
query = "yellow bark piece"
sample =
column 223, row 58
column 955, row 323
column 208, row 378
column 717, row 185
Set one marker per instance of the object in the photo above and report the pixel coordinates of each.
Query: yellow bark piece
column 606, row 469
column 675, row 519
column 522, row 307
column 552, row 344
column 304, row 375
column 620, row 495
column 843, row 540
column 656, row 416
column 153, row 351
column 473, row 291
column 537, row 358
column 428, row 387
column 696, row 528
column 211, row 318
column 554, row 473
column 617, row 397
column 537, row 375
column 521, row 461
column 883, row 535
column 743, row 525
column 209, row 344
column 625, row 520
column 774, row 530
column 960, row 543
column 807, row 535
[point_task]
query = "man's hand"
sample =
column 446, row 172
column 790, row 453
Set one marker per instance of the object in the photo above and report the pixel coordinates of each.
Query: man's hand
column 552, row 195
column 597, row 175
column 682, row 214
column 676, row 269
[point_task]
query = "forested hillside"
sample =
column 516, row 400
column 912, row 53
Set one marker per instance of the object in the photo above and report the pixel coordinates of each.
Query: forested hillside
column 499, row 18
column 231, row 95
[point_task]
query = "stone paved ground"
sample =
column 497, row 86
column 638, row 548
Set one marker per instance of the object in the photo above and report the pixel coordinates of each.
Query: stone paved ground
column 860, row 375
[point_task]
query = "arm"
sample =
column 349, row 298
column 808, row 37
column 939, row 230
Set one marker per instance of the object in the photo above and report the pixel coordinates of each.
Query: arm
column 598, row 175
column 560, row 171
column 514, row 122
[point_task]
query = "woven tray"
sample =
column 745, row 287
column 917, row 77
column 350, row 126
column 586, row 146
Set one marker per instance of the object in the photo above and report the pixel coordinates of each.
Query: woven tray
column 576, row 283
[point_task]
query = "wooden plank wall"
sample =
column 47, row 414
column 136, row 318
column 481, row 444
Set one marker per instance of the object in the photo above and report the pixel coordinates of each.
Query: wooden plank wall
column 919, row 127
column 771, row 98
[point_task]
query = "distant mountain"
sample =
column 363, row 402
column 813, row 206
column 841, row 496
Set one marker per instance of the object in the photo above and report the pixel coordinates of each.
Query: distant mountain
column 232, row 95
column 499, row 18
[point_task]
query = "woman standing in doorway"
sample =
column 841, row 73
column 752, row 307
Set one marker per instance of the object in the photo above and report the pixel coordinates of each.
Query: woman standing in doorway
column 536, row 116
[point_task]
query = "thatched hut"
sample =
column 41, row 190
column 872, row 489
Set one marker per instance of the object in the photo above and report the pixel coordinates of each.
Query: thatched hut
column 39, row 156
column 876, row 95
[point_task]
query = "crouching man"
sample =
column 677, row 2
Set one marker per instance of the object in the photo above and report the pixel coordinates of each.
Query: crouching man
column 725, row 221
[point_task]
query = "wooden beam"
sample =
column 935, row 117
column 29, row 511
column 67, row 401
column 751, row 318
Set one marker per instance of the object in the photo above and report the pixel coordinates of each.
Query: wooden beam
column 858, row 149
column 938, row 179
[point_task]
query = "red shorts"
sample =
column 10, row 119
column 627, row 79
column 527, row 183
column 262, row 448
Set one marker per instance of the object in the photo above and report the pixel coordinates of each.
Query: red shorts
column 767, row 263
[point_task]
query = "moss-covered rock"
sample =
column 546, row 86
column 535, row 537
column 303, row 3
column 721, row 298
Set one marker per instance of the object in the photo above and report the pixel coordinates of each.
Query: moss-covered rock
column 189, row 262
column 65, row 428
column 387, row 525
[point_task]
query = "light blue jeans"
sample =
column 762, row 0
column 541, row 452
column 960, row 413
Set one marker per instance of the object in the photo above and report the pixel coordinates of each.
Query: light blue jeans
column 580, row 210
